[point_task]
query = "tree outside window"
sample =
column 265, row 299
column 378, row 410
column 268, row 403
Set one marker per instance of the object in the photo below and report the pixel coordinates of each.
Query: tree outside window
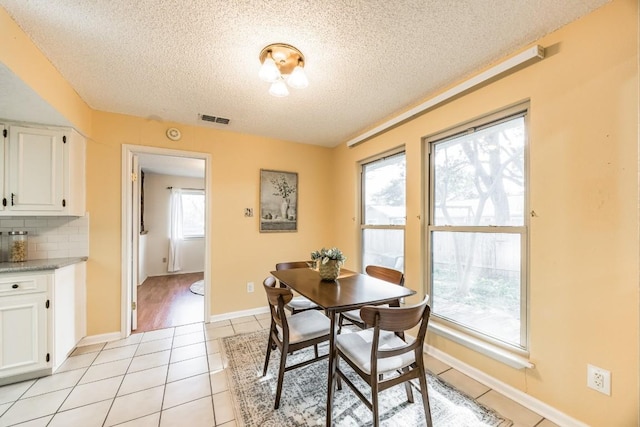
column 384, row 211
column 477, row 230
column 192, row 214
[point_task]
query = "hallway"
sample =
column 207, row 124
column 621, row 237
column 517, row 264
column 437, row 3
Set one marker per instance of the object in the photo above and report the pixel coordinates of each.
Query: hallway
column 166, row 301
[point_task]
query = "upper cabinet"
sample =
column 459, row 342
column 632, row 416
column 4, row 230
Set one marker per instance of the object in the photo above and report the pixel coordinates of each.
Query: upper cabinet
column 44, row 171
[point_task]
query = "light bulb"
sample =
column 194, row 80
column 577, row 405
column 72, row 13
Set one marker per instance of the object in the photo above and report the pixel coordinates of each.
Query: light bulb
column 298, row 78
column 279, row 89
column 269, row 71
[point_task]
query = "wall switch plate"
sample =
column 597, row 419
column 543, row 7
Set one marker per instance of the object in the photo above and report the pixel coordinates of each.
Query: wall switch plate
column 599, row 379
column 249, row 286
column 248, row 212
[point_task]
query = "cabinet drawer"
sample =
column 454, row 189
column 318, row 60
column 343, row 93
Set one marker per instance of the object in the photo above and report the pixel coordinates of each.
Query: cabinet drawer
column 16, row 285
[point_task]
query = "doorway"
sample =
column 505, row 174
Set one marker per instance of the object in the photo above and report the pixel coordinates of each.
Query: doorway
column 146, row 256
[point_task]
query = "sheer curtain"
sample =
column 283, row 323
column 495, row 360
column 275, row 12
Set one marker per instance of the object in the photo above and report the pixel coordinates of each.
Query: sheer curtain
column 176, row 230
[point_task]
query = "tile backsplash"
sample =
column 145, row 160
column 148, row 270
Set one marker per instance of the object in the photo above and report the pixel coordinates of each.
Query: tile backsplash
column 51, row 236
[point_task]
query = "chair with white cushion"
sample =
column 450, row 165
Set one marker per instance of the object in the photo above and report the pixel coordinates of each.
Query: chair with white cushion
column 291, row 333
column 381, row 350
column 298, row 303
column 383, row 273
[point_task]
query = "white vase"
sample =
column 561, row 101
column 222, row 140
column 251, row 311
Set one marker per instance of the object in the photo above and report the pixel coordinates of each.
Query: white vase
column 283, row 208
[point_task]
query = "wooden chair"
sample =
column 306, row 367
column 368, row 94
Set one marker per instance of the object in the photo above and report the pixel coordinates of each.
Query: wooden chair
column 298, row 303
column 291, row 333
column 381, row 350
column 383, row 273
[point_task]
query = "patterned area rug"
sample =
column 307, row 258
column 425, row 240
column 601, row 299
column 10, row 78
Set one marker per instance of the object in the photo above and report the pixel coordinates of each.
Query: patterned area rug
column 197, row 287
column 304, row 392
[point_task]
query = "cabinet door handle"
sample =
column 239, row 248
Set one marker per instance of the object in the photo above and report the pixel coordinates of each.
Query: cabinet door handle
column 15, row 286
column 12, row 196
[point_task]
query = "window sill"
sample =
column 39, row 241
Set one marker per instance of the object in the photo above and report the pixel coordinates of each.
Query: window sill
column 489, row 350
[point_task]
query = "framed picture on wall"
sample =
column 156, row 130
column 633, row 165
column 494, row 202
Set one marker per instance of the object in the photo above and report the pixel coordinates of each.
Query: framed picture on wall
column 278, row 201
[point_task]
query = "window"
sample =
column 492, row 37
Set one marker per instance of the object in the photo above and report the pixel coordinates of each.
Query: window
column 192, row 213
column 477, row 232
column 383, row 211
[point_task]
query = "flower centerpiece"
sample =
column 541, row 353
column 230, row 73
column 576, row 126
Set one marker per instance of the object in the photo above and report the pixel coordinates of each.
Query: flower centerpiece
column 329, row 262
column 283, row 189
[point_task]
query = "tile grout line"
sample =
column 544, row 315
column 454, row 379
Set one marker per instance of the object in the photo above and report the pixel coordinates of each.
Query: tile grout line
column 122, row 381
column 166, row 378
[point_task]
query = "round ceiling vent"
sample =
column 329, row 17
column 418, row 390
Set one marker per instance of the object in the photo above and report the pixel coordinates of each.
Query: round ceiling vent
column 173, row 134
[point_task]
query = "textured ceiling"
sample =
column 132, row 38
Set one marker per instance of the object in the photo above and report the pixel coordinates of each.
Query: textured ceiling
column 366, row 60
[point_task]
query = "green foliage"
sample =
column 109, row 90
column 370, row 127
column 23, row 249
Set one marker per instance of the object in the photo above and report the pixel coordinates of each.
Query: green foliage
column 324, row 255
column 496, row 291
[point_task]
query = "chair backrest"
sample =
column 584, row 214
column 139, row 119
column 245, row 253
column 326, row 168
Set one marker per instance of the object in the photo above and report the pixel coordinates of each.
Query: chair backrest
column 277, row 299
column 293, row 264
column 384, row 273
column 396, row 319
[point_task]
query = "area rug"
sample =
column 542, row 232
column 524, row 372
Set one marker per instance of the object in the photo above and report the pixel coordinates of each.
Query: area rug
column 303, row 401
column 197, row 287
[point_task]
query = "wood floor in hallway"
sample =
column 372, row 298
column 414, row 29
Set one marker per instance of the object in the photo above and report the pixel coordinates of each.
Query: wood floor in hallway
column 166, row 301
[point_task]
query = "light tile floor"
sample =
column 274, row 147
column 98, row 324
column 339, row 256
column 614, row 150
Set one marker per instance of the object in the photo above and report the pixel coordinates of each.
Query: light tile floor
column 170, row 377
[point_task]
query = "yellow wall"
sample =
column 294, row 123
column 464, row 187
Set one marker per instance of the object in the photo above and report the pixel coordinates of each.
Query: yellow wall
column 584, row 188
column 239, row 253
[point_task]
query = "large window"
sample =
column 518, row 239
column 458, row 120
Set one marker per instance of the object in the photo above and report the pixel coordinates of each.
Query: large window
column 478, row 228
column 384, row 211
column 192, row 213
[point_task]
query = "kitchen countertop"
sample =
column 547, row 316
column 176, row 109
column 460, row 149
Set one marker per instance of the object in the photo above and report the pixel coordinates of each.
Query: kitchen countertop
column 39, row 264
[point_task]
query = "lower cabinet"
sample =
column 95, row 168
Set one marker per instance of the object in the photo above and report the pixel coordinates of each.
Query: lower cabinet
column 42, row 318
column 23, row 334
column 68, row 311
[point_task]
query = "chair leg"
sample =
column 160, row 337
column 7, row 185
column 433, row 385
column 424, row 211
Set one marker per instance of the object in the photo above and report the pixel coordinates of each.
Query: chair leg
column 424, row 391
column 266, row 359
column 283, row 363
column 374, row 400
column 407, row 387
column 340, row 320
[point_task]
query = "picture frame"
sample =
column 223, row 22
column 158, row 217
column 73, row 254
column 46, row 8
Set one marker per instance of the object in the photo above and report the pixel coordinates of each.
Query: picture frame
column 278, row 201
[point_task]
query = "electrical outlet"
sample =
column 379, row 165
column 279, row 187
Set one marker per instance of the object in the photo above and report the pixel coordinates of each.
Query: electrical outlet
column 249, row 286
column 164, row 260
column 599, row 379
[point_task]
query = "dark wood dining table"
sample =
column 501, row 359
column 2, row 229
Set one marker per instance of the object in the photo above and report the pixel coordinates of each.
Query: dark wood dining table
column 351, row 290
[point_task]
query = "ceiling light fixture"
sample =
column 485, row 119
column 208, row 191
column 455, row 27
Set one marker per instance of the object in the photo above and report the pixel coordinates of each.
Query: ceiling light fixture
column 282, row 63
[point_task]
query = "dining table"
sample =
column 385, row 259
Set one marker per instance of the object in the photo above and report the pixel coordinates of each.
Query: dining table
column 350, row 291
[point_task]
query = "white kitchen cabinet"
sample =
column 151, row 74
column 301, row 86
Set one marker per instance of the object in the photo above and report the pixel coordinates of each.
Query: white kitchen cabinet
column 24, row 325
column 44, row 171
column 42, row 318
column 68, row 297
column 3, row 201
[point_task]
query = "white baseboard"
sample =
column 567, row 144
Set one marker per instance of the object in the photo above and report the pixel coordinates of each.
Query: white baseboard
column 526, row 400
column 113, row 336
column 236, row 314
column 99, row 339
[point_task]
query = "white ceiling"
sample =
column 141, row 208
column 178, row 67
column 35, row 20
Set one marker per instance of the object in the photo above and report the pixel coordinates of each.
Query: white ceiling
column 171, row 165
column 366, row 60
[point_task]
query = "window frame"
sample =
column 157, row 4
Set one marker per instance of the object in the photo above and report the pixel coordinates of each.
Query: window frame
column 476, row 339
column 363, row 226
column 193, row 191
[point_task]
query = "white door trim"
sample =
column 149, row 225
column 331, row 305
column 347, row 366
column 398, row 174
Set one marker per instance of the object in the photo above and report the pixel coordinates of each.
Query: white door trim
column 127, row 227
